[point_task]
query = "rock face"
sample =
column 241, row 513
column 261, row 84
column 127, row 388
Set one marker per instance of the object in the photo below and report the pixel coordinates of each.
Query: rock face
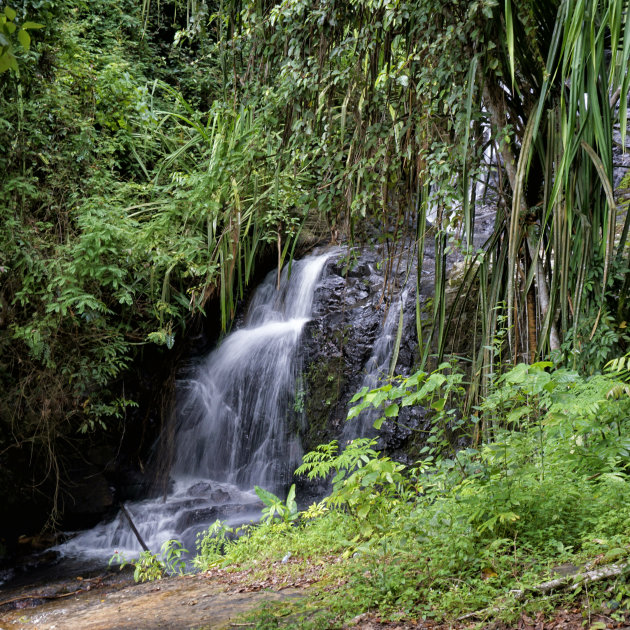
column 349, row 344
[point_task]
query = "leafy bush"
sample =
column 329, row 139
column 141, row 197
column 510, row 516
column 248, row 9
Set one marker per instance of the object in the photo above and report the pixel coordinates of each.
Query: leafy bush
column 364, row 482
column 149, row 566
column 458, row 531
column 213, row 545
column 126, row 213
column 274, row 507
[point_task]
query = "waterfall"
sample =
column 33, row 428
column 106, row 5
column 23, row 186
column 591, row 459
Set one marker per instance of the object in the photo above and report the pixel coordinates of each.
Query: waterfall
column 236, row 413
column 377, row 369
column 234, row 428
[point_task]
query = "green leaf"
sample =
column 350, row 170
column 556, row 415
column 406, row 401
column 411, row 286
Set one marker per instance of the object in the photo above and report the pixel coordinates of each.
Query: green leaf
column 509, row 27
column 517, row 374
column 268, row 498
column 516, row 414
column 543, row 364
column 355, row 411
column 415, row 379
column 32, row 25
column 290, row 503
column 363, row 511
column 10, row 13
column 359, row 394
column 7, row 60
column 392, row 410
column 24, row 38
column 614, row 554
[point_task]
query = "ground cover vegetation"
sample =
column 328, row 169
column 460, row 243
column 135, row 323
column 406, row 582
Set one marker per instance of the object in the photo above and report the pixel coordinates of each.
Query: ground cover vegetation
column 529, row 517
column 152, row 153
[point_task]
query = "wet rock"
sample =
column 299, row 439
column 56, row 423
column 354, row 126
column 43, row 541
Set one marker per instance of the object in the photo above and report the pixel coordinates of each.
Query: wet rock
column 350, row 309
column 166, row 604
column 37, row 543
column 91, row 497
column 220, row 496
column 132, row 484
column 192, row 517
column 202, row 488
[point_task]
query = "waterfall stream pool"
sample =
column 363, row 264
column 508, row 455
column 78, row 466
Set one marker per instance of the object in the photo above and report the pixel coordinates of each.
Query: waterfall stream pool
column 235, row 428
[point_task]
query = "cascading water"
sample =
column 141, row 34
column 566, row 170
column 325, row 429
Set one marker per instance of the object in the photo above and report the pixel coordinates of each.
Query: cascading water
column 234, row 425
column 236, row 414
column 376, row 369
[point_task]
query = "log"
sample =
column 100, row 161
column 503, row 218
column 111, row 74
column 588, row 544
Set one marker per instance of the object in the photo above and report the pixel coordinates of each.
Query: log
column 567, row 581
column 573, row 581
column 133, row 528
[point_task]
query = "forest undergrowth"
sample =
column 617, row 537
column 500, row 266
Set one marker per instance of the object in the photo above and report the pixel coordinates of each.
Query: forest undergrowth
column 533, row 515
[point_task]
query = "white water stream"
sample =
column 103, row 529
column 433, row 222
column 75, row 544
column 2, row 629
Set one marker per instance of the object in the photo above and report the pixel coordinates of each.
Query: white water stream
column 377, row 370
column 234, row 431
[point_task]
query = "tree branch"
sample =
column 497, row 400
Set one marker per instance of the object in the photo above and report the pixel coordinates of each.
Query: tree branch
column 565, row 582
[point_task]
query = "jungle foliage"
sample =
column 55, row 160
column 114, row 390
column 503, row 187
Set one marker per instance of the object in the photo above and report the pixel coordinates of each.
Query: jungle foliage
column 125, row 211
column 467, row 533
column 152, row 152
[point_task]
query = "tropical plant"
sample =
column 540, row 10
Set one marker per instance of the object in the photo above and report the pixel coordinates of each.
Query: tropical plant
column 439, row 392
column 213, row 544
column 364, row 482
column 145, row 215
column 10, row 31
column 555, row 87
column 275, row 508
column 149, row 566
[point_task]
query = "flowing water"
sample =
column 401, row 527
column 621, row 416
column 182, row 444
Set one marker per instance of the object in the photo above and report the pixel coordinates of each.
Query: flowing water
column 377, row 369
column 237, row 425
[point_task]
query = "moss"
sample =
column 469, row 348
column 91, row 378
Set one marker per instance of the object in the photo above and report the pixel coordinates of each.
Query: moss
column 323, row 381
